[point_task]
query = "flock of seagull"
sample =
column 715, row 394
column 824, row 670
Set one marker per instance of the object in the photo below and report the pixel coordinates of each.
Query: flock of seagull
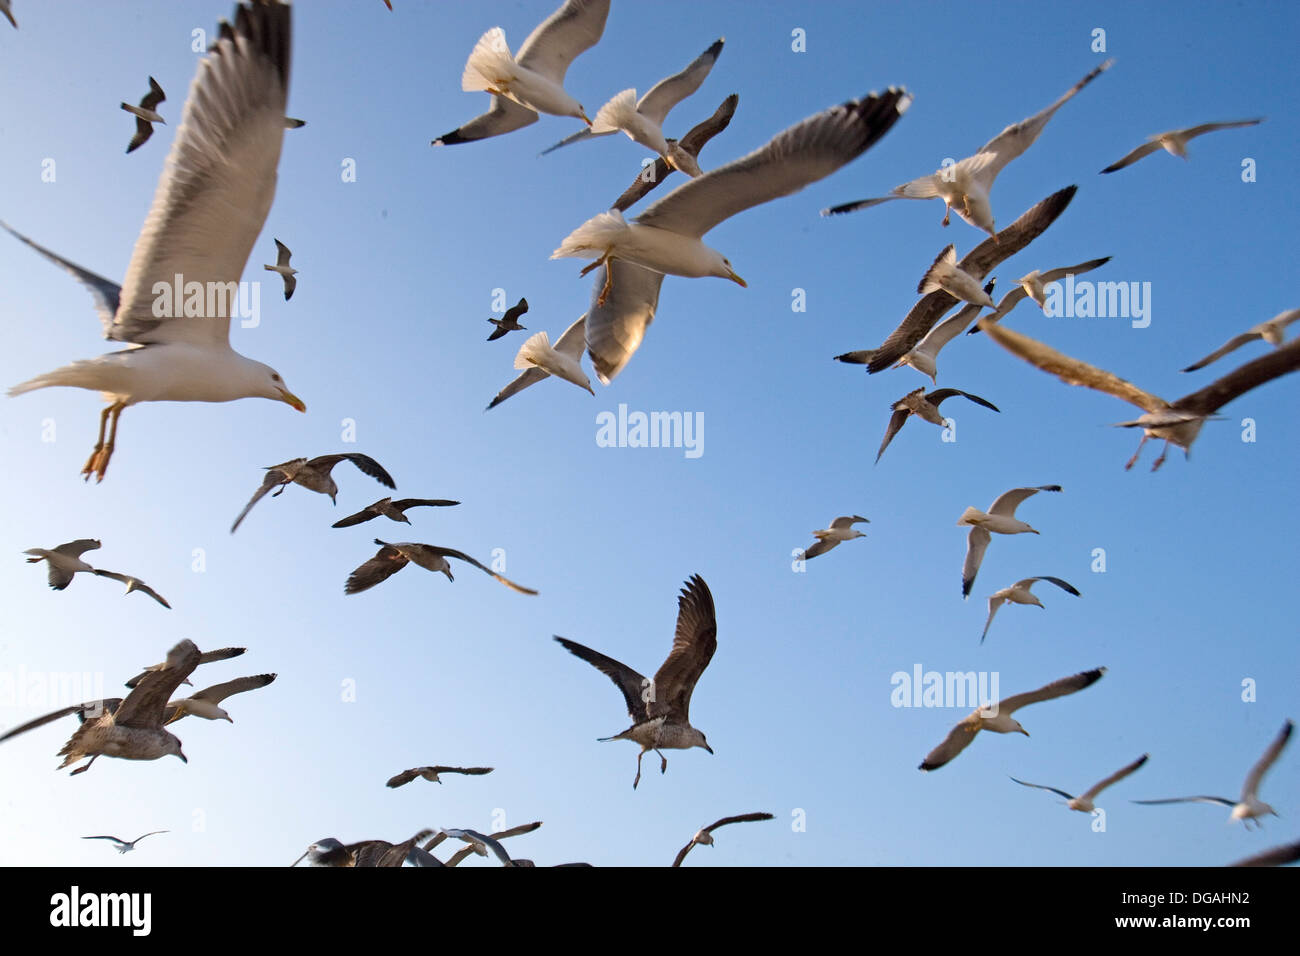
column 225, row 155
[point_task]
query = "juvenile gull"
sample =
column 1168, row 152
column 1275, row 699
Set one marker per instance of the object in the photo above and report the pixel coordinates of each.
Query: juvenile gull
column 569, row 344
column 1249, row 807
column 421, row 856
column 537, row 352
column 1174, row 141
column 314, row 475
column 998, row 718
column 125, row 846
column 1084, row 802
column 393, row 510
column 211, row 203
column 1178, row 422
column 65, row 561
column 368, row 853
column 146, row 114
column 206, row 703
column 667, row 236
column 1272, row 332
column 1000, row 519
column 925, row 354
column 642, row 120
column 1019, row 593
column 431, row 774
column 533, row 81
column 926, row 407
column 393, row 557
column 1034, row 285
column 282, row 267
column 510, row 321
column 841, row 529
column 964, row 187
column 660, row 708
column 479, row 843
column 945, row 274
column 704, row 836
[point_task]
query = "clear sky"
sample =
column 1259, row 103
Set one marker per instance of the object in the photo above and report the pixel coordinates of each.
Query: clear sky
column 386, row 331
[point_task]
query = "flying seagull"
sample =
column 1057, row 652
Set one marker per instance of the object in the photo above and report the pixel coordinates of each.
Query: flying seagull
column 1001, row 519
column 286, row 271
column 431, row 774
column 1034, row 286
column 964, row 187
column 211, row 202
column 393, row 557
column 660, row 707
column 393, row 510
column 1019, row 593
column 533, row 81
column 365, row 853
column 642, row 120
column 1278, row 856
column 667, row 236
column 841, row 529
column 125, row 846
column 206, row 703
column 1249, row 807
column 1174, row 141
column 1178, row 422
column 704, row 836
column 479, row 843
column 538, row 353
column 926, row 407
column 977, row 263
column 998, row 718
column 314, row 475
column 1084, row 802
column 65, row 561
column 207, row 657
column 945, row 274
column 421, row 856
column 924, row 355
column 146, row 114
column 1271, row 332
column 568, row 345
column 510, row 321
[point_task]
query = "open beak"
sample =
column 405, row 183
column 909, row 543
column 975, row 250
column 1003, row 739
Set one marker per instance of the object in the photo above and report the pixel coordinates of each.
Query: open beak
column 289, row 398
column 737, row 279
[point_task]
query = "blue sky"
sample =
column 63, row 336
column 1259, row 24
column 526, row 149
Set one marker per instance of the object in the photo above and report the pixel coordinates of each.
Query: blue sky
column 386, row 330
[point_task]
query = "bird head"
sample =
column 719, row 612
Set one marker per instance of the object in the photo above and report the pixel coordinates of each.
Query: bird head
column 269, row 384
column 699, row 740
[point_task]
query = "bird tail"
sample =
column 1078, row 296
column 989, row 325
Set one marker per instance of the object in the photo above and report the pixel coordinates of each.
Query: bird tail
column 939, row 270
column 596, row 234
column 76, row 375
column 490, row 65
column 616, row 114
column 531, row 352
column 969, row 515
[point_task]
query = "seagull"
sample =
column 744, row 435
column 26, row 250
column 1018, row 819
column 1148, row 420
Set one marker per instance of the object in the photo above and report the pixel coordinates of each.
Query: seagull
column 924, row 355
column 926, row 407
column 65, row 561
column 367, row 853
column 666, row 237
column 569, row 345
column 1178, row 422
column 964, row 187
column 615, row 329
column 420, row 856
column 1174, row 141
column 1001, row 519
column 1278, row 856
column 124, row 846
column 660, row 707
column 207, row 657
column 1084, row 802
column 7, row 9
column 393, row 510
column 998, row 718
column 314, row 475
column 1034, row 286
column 1271, row 332
column 206, row 702
column 1249, row 807
column 393, row 557
column 533, row 81
column 479, row 843
column 642, row 120
column 510, row 321
column 210, row 205
column 1019, row 593
column 841, row 529
column 945, row 274
column 977, row 263
column 538, row 353
column 431, row 774
column 286, row 271
column 146, row 114
column 704, row 836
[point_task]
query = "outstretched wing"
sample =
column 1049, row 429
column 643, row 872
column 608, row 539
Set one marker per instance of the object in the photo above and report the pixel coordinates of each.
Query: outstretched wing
column 670, row 91
column 958, row 739
column 88, row 711
column 694, row 643
column 144, row 707
column 629, row 683
column 1251, row 786
column 367, row 465
column 461, row 555
column 896, row 422
column 274, row 477
column 1115, row 777
column 107, row 294
column 1039, row 786
column 1057, row 688
column 1256, row 372
column 387, row 562
column 503, row 116
column 557, row 40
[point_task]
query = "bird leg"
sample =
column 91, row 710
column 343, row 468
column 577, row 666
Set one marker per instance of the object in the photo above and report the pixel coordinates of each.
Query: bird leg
column 1133, row 461
column 638, row 769
column 85, row 767
column 609, row 277
column 99, row 442
column 1161, row 460
column 98, row 464
column 663, row 766
column 947, row 212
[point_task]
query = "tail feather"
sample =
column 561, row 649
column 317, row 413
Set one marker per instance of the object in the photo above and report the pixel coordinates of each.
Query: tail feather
column 939, row 270
column 70, row 375
column 490, row 65
column 969, row 515
column 616, row 114
column 532, row 351
column 595, row 235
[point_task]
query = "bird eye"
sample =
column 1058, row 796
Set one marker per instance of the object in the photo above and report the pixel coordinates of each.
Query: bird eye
column 275, row 377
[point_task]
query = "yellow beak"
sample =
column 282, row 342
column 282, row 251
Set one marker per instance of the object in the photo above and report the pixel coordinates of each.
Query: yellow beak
column 737, row 279
column 289, row 398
